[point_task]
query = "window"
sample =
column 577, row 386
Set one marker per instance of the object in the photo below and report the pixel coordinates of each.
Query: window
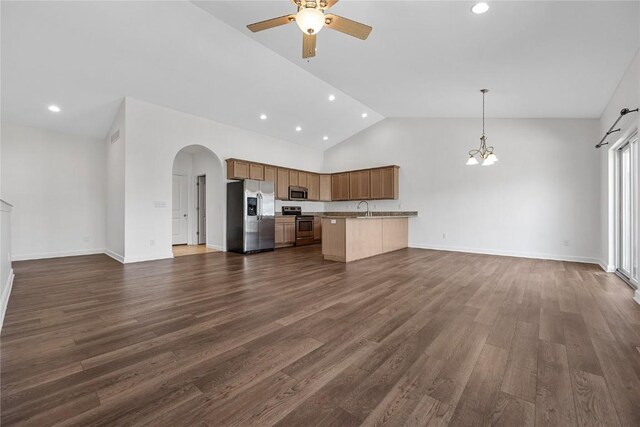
column 627, row 209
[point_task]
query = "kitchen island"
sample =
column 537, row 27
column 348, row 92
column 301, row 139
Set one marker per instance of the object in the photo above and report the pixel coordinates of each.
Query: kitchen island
column 349, row 238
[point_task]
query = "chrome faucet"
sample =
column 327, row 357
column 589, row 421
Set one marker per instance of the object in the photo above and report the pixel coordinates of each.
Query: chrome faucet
column 368, row 212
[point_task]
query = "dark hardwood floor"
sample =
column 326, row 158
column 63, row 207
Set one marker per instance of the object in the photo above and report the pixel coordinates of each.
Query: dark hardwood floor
column 414, row 337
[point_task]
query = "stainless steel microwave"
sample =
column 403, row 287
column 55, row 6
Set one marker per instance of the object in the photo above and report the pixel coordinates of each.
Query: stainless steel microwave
column 297, row 193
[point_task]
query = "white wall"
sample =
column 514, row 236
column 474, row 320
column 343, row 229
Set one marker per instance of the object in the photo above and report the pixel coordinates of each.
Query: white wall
column 154, row 135
column 56, row 183
column 542, row 192
column 115, row 177
column 627, row 95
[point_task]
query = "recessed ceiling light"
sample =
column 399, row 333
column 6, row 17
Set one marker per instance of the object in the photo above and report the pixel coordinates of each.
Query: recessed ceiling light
column 324, row 138
column 480, row 8
column 332, row 97
column 263, row 117
column 298, row 128
column 364, row 115
column 54, row 108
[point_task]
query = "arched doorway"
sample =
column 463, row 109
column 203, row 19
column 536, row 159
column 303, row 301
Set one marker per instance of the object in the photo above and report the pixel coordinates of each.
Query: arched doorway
column 197, row 214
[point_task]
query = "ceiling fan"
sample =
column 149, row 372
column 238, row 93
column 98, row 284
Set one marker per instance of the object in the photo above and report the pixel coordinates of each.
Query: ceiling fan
column 311, row 18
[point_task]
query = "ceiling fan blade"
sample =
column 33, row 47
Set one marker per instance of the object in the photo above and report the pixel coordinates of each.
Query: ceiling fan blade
column 271, row 23
column 328, row 4
column 347, row 26
column 308, row 45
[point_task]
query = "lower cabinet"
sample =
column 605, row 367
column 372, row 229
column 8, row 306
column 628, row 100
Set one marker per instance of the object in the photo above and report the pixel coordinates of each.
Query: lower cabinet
column 317, row 229
column 285, row 231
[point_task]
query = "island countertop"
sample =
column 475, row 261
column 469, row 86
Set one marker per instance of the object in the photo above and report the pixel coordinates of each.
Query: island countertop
column 362, row 214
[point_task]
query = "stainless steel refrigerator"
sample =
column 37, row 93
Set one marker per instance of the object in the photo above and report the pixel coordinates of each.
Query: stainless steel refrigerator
column 251, row 224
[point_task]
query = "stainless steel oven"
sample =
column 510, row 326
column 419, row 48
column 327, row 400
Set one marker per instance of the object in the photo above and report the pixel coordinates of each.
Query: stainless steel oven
column 304, row 230
column 297, row 193
column 304, row 225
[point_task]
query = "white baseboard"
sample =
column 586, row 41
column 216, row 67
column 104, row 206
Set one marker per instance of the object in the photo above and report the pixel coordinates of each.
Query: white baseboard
column 129, row 260
column 44, row 255
column 5, row 297
column 114, row 255
column 568, row 258
column 215, row 247
column 607, row 267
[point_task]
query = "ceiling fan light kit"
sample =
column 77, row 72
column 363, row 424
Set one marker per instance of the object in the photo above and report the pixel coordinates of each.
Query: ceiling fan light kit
column 485, row 153
column 311, row 18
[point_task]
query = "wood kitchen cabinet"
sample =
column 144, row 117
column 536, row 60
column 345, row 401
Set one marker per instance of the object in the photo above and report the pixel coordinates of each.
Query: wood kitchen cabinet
column 285, row 231
column 256, row 171
column 293, row 178
column 313, row 186
column 237, row 169
column 340, row 186
column 303, row 179
column 359, row 185
column 317, row 229
column 271, row 174
column 282, row 190
column 325, row 188
column 385, row 182
column 376, row 183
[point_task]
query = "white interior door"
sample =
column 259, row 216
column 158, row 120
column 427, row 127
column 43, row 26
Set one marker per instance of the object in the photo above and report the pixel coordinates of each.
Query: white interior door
column 180, row 207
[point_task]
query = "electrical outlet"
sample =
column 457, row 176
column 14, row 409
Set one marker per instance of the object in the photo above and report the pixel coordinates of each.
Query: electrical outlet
column 152, row 242
column 565, row 243
column 444, row 235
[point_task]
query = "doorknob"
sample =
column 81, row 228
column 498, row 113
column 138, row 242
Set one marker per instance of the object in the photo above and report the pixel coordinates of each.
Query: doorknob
column 185, row 215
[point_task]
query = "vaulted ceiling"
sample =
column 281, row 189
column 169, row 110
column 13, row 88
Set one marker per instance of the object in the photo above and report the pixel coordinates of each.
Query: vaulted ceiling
column 423, row 59
column 430, row 58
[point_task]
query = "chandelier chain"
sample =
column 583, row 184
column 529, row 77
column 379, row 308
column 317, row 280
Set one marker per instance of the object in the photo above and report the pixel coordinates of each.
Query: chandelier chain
column 483, row 94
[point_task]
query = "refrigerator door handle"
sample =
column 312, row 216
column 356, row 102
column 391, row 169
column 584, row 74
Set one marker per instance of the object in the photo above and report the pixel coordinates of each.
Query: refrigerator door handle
column 259, row 206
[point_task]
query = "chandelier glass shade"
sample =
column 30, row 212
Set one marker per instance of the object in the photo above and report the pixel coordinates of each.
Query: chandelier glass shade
column 484, row 153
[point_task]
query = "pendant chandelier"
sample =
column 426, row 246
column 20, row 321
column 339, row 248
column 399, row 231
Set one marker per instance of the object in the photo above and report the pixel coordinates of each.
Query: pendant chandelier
column 483, row 153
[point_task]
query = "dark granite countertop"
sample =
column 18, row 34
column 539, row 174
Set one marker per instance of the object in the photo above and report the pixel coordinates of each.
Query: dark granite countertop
column 360, row 214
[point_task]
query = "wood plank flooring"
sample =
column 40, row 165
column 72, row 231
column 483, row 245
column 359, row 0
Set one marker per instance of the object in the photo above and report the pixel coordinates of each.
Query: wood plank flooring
column 185, row 250
column 413, row 337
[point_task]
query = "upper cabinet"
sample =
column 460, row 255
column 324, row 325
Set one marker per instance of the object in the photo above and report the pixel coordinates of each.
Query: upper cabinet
column 325, row 187
column 237, row 169
column 365, row 184
column 340, row 186
column 271, row 174
column 385, row 182
column 302, row 179
column 293, row 178
column 313, row 186
column 282, row 192
column 256, row 171
column 359, row 185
